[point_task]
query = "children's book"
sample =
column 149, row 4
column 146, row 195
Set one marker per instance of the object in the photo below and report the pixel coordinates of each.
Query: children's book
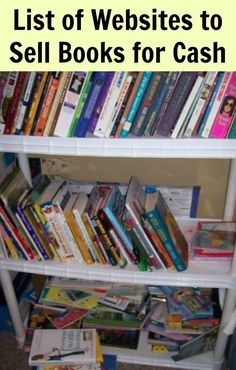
column 64, row 346
column 200, row 344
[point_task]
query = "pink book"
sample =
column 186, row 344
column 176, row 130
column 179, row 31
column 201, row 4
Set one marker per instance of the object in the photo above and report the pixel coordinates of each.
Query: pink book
column 225, row 114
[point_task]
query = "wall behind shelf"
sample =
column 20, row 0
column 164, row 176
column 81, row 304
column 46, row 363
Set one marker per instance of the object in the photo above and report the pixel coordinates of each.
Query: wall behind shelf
column 210, row 174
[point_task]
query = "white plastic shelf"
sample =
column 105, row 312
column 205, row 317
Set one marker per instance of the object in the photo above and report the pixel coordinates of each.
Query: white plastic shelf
column 144, row 356
column 212, row 275
column 131, row 147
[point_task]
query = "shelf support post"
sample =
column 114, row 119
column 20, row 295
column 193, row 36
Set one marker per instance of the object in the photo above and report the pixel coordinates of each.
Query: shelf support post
column 12, row 305
column 25, row 167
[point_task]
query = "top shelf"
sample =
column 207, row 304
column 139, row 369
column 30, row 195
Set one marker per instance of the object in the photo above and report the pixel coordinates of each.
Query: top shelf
column 131, row 147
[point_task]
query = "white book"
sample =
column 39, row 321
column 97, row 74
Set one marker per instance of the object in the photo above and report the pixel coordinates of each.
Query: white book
column 109, row 104
column 63, row 347
column 207, row 86
column 189, row 102
column 70, row 103
column 216, row 105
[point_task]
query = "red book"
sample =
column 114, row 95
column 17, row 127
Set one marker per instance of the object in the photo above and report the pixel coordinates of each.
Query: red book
column 12, row 110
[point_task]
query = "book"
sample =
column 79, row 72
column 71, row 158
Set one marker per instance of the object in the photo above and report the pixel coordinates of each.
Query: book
column 200, row 344
column 136, row 104
column 90, row 104
column 135, row 205
column 226, row 111
column 165, row 225
column 69, row 105
column 205, row 132
column 181, row 91
column 146, row 107
column 121, row 338
column 109, row 104
column 68, row 346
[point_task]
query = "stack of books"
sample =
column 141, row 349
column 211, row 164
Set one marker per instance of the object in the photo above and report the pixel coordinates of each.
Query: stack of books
column 118, row 104
column 70, row 221
column 176, row 320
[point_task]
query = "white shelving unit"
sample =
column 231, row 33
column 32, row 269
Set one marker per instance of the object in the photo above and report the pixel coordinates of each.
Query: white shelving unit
column 218, row 275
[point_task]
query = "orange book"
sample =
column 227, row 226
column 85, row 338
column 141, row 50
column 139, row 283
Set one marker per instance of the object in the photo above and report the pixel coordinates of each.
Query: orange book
column 52, row 89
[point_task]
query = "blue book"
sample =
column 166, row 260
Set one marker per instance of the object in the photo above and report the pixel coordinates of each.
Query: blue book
column 232, row 131
column 167, row 228
column 211, row 102
column 90, row 104
column 136, row 103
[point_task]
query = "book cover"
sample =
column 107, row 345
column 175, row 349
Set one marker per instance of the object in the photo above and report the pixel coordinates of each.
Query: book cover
column 200, row 344
column 119, row 338
column 167, row 228
column 226, row 112
column 68, row 346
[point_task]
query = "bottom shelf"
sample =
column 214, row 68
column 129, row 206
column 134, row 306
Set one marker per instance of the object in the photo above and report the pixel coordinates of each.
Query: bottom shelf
column 144, row 356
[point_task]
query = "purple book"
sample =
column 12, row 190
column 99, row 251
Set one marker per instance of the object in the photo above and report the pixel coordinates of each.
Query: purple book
column 176, row 103
column 100, row 101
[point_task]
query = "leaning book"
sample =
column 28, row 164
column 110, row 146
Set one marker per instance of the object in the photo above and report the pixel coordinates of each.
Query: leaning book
column 65, row 346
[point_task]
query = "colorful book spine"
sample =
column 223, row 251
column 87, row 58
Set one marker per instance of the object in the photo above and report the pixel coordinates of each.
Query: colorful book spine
column 216, row 105
column 47, row 104
column 178, row 98
column 160, row 228
column 225, row 115
column 100, row 103
column 189, row 106
column 39, row 86
column 5, row 102
column 25, row 103
column 31, row 233
column 70, row 103
column 232, row 130
column 135, row 104
column 90, row 104
column 109, row 103
column 201, row 104
column 15, row 101
column 148, row 102
column 162, row 103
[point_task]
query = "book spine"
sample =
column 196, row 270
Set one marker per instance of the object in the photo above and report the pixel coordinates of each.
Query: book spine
column 211, row 102
column 63, row 249
column 81, row 102
column 55, row 103
column 17, row 235
column 70, row 103
column 67, row 233
column 160, row 228
column 225, row 115
column 8, row 93
column 192, row 98
column 39, row 85
column 135, row 104
column 33, row 236
column 232, row 130
column 131, row 97
column 162, row 103
column 146, row 106
column 94, row 238
column 90, row 103
column 109, row 103
column 15, row 101
column 201, row 103
column 79, row 239
column 106, row 241
column 100, row 103
column 176, row 103
column 85, row 234
column 25, row 103
column 8, row 243
column 47, row 104
column 216, row 105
